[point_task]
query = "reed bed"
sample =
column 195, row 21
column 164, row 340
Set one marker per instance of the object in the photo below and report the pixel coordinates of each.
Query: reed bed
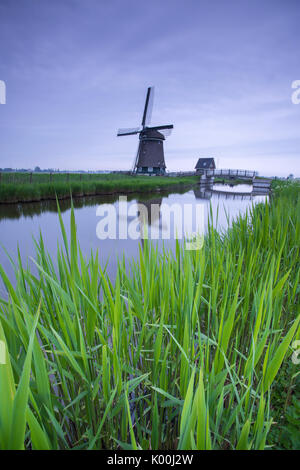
column 65, row 186
column 182, row 351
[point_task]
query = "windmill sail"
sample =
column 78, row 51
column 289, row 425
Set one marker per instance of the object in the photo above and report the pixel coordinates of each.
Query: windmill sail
column 129, row 131
column 148, row 107
column 136, row 159
column 159, row 128
column 166, row 132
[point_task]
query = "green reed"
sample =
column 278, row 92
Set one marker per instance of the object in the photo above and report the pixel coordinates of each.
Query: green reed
column 63, row 186
column 180, row 352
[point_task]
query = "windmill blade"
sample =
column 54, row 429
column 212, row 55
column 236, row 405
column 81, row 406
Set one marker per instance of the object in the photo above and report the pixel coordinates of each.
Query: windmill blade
column 166, row 132
column 129, row 131
column 166, row 126
column 148, row 107
column 136, row 158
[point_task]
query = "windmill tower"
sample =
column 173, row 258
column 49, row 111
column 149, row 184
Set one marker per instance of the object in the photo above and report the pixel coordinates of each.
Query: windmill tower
column 150, row 157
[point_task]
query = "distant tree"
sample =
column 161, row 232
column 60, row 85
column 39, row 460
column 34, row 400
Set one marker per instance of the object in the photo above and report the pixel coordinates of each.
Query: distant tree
column 37, row 169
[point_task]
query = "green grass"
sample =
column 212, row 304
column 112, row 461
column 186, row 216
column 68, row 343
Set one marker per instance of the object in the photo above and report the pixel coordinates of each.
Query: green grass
column 15, row 211
column 63, row 186
column 45, row 177
column 183, row 351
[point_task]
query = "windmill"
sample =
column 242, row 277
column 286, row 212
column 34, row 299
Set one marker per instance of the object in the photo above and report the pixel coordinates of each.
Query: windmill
column 150, row 154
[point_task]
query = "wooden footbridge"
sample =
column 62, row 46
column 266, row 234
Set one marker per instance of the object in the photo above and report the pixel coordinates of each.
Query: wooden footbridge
column 260, row 186
column 231, row 174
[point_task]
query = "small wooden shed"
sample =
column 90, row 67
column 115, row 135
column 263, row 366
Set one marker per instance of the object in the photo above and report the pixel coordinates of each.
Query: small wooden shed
column 205, row 164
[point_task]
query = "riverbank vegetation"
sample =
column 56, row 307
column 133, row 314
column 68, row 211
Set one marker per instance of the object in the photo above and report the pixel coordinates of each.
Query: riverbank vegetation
column 64, row 186
column 184, row 350
column 16, row 211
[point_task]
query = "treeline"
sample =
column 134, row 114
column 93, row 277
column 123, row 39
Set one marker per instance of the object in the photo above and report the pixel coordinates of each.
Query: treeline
column 28, row 170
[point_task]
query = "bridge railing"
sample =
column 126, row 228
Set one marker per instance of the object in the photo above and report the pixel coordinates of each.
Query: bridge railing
column 241, row 173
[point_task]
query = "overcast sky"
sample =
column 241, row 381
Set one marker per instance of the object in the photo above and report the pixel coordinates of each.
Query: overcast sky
column 77, row 70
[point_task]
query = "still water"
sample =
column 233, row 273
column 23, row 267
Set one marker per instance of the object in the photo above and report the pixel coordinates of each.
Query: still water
column 20, row 224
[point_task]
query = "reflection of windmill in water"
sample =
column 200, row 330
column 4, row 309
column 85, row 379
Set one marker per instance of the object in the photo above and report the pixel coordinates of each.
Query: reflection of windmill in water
column 150, row 154
column 149, row 218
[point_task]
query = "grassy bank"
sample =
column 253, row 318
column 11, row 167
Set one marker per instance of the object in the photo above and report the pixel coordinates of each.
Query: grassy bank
column 89, row 185
column 182, row 352
column 15, row 211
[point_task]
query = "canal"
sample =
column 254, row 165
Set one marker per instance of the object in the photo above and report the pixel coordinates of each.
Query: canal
column 115, row 227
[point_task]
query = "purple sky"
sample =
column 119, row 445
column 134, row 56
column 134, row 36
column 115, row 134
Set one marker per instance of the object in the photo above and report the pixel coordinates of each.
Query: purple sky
column 77, row 70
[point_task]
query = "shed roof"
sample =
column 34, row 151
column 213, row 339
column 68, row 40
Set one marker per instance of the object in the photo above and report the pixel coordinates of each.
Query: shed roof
column 204, row 163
